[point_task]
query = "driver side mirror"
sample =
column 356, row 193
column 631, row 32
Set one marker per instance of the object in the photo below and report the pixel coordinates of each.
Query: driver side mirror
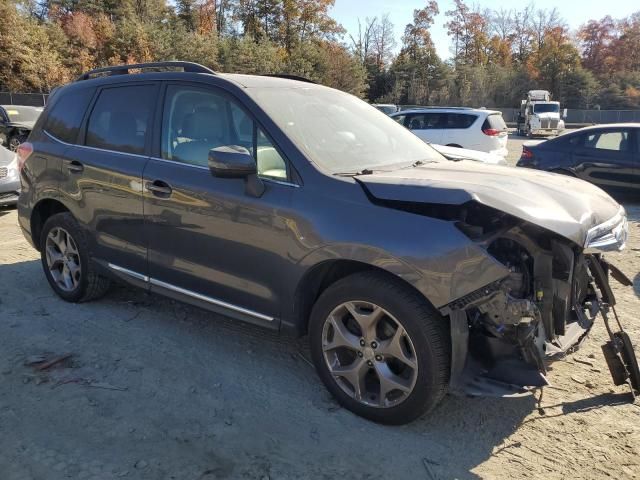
column 231, row 161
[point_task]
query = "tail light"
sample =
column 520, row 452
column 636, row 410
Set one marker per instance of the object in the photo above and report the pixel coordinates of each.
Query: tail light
column 24, row 152
column 526, row 154
column 491, row 132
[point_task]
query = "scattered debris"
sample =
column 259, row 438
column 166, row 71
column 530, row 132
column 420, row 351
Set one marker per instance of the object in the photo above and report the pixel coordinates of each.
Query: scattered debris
column 140, row 464
column 577, row 379
column 34, row 359
column 106, row 386
column 54, row 361
column 581, row 360
column 427, row 466
column 306, row 360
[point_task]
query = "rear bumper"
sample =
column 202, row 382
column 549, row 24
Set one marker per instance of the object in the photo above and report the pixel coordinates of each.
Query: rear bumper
column 501, row 152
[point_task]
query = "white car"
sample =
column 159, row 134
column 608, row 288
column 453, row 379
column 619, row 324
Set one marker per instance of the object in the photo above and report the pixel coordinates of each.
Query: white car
column 9, row 178
column 470, row 128
column 456, row 154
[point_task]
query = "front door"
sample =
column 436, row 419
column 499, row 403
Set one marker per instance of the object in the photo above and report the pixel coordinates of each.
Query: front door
column 607, row 159
column 209, row 240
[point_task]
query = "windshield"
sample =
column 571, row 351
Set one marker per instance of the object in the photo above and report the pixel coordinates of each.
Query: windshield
column 341, row 133
column 546, row 108
column 22, row 114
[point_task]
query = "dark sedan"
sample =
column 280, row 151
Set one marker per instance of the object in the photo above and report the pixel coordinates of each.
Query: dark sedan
column 606, row 155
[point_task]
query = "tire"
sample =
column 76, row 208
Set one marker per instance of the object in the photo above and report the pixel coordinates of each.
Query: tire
column 15, row 141
column 425, row 339
column 84, row 285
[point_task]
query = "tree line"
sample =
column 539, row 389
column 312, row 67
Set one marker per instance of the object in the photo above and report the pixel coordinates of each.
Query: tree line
column 497, row 55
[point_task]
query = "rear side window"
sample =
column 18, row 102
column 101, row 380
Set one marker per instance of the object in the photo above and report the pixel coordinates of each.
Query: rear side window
column 121, row 118
column 612, row 140
column 460, row 120
column 64, row 118
column 495, row 122
column 427, row 121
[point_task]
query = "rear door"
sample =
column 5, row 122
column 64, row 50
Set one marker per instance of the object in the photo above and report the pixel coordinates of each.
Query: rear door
column 607, row 158
column 102, row 176
column 456, row 131
column 210, row 241
column 427, row 126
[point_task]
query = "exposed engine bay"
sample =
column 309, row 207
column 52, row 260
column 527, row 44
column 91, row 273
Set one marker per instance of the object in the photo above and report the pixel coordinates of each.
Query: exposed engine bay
column 505, row 334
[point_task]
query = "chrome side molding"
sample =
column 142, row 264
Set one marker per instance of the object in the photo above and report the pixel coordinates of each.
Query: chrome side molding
column 189, row 293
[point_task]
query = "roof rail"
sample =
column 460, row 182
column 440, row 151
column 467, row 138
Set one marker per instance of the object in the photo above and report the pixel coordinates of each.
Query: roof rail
column 124, row 69
column 289, row 77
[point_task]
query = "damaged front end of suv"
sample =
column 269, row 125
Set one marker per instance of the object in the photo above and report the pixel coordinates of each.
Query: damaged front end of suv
column 504, row 335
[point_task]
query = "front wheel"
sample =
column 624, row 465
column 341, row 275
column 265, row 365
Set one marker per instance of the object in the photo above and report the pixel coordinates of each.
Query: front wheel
column 66, row 263
column 380, row 348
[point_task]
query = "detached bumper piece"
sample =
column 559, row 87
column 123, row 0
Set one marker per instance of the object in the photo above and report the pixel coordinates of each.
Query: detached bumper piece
column 618, row 351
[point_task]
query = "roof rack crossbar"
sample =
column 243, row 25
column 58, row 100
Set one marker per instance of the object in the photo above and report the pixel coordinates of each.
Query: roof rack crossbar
column 124, row 69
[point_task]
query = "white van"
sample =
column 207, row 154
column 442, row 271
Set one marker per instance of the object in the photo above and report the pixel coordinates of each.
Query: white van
column 470, row 128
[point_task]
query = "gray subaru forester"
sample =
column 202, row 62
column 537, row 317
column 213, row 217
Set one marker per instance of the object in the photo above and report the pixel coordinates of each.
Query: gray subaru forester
column 303, row 209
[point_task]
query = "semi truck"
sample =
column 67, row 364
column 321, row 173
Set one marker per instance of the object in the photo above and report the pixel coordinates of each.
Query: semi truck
column 539, row 115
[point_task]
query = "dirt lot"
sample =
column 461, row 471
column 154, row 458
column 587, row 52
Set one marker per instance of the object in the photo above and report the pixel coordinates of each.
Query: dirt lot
column 159, row 390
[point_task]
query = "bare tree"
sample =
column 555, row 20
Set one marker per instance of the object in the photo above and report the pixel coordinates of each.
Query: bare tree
column 384, row 41
column 366, row 38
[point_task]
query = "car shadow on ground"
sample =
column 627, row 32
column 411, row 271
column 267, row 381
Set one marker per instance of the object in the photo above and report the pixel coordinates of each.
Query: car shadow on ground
column 179, row 364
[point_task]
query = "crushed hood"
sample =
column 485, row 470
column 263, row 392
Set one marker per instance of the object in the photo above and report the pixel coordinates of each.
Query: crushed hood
column 559, row 203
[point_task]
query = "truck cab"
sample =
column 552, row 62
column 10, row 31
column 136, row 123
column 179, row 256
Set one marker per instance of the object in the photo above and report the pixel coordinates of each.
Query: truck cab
column 539, row 115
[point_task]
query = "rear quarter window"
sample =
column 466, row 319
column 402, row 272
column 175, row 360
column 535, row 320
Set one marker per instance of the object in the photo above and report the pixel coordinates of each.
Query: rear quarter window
column 66, row 114
column 495, row 122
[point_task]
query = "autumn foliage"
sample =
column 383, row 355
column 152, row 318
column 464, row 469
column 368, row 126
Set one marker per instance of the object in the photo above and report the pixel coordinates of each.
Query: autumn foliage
column 496, row 55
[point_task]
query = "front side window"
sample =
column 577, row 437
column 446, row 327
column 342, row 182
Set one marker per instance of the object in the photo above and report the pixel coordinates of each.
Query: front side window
column 121, row 119
column 64, row 119
column 612, row 140
column 197, row 120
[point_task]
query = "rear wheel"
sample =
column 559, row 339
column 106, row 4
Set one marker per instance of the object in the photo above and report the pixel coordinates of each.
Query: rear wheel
column 15, row 141
column 380, row 348
column 65, row 260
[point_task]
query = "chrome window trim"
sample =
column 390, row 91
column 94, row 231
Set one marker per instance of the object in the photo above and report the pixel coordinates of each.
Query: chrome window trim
column 200, row 167
column 92, row 148
column 189, row 293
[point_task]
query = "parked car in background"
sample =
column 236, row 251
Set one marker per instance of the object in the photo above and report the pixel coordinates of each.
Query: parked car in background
column 456, row 154
column 471, row 128
column 605, row 155
column 387, row 108
column 303, row 209
column 16, row 122
column 9, row 178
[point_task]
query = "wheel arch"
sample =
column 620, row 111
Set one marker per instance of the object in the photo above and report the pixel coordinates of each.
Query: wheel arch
column 42, row 210
column 325, row 273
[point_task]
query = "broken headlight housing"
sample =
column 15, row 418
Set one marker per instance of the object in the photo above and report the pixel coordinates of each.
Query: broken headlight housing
column 608, row 236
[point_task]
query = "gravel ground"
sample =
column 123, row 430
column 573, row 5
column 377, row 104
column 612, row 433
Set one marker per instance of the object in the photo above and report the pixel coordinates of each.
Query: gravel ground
column 159, row 390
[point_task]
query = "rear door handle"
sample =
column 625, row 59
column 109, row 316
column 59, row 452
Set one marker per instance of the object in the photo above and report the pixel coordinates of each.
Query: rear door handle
column 75, row 167
column 159, row 188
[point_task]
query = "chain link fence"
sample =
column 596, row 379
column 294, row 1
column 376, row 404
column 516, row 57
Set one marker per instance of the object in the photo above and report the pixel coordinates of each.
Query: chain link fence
column 29, row 99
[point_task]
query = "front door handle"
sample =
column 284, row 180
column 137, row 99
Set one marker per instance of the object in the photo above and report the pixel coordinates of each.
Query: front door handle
column 159, row 188
column 75, row 167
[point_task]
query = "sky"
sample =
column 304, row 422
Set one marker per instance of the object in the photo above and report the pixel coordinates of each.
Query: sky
column 575, row 13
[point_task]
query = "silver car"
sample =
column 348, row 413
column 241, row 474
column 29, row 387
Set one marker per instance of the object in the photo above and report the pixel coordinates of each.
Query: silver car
column 9, row 178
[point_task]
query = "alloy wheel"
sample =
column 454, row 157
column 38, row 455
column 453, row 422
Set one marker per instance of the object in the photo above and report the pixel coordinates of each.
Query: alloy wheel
column 63, row 259
column 14, row 143
column 369, row 354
